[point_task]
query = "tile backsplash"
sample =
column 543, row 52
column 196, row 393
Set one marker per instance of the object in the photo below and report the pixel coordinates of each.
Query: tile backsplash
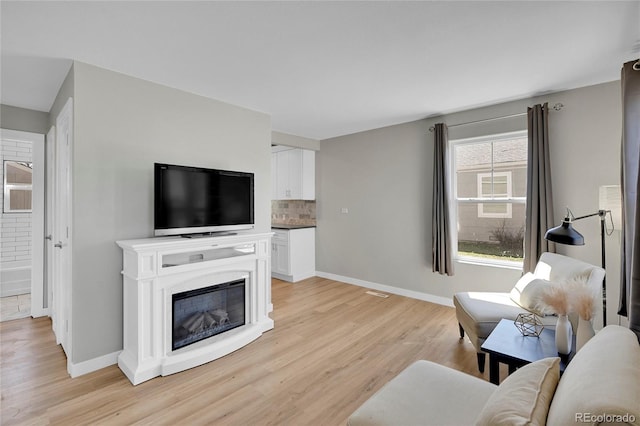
column 293, row 212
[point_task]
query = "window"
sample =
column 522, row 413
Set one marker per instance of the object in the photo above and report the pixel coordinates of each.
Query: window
column 494, row 185
column 490, row 184
column 17, row 186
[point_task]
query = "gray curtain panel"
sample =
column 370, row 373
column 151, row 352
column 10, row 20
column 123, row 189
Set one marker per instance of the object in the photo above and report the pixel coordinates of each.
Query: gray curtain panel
column 539, row 209
column 630, row 183
column 441, row 238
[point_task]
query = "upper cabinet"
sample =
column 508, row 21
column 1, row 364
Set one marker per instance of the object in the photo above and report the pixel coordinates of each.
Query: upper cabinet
column 293, row 172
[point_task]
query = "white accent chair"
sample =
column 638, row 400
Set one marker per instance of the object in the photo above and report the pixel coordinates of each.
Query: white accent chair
column 600, row 385
column 478, row 313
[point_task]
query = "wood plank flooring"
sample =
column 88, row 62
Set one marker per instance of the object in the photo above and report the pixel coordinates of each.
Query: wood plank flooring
column 332, row 347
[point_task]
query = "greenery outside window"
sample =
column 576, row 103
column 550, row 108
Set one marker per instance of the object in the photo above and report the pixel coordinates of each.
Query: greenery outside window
column 18, row 186
column 489, row 191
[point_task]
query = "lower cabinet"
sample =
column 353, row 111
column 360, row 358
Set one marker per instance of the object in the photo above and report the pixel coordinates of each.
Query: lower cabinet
column 293, row 256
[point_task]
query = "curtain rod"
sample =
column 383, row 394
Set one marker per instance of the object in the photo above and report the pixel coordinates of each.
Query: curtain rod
column 556, row 107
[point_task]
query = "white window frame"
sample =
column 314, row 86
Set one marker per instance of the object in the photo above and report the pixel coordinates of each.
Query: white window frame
column 454, row 200
column 481, row 212
column 8, row 187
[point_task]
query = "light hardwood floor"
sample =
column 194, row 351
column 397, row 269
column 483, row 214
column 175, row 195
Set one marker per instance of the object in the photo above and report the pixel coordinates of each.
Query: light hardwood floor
column 332, row 347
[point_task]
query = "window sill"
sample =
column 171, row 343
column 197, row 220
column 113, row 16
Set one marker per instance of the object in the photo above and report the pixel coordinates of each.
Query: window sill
column 503, row 264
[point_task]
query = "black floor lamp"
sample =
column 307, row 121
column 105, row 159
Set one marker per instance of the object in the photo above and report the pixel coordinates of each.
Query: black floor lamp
column 565, row 234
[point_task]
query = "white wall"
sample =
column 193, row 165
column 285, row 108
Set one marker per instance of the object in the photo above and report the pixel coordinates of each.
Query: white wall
column 122, row 125
column 384, row 178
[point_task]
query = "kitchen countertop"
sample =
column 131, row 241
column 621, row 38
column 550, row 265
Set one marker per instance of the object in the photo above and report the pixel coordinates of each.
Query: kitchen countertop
column 285, row 226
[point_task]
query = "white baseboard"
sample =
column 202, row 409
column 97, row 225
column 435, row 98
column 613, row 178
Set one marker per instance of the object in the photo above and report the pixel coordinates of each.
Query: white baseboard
column 89, row 366
column 388, row 289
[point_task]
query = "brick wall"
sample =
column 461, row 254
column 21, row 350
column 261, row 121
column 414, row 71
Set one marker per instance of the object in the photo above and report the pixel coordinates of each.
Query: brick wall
column 15, row 228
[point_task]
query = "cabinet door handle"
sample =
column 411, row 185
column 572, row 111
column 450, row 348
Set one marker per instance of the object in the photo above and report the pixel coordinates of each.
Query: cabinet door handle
column 58, row 245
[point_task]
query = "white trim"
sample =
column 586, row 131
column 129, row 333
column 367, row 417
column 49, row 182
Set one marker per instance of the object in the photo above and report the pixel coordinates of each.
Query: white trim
column 91, row 365
column 388, row 289
column 491, row 138
column 292, row 278
column 482, row 261
column 50, row 179
column 37, row 230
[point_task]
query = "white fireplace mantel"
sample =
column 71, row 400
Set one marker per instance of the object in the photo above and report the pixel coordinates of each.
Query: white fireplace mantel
column 156, row 268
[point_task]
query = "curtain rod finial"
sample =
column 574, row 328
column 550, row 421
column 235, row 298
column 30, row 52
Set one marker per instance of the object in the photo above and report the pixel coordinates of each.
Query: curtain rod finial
column 558, row 106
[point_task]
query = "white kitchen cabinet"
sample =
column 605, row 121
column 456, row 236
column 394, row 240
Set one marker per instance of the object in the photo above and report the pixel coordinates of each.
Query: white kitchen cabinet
column 293, row 254
column 293, row 174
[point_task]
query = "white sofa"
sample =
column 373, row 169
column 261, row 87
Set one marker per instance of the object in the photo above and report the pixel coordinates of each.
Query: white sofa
column 601, row 385
column 478, row 313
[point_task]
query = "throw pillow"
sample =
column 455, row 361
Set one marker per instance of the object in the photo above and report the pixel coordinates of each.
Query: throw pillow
column 524, row 397
column 528, row 293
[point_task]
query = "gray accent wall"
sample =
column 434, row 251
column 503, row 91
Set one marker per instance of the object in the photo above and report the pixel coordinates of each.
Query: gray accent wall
column 122, row 125
column 384, row 178
column 279, row 138
column 26, row 120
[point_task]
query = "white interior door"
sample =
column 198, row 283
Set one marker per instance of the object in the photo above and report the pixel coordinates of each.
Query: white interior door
column 49, row 222
column 62, row 229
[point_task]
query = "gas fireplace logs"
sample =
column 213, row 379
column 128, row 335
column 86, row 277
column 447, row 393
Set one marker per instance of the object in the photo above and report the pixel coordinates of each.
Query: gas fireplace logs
column 222, row 317
column 201, row 321
column 209, row 320
column 194, row 323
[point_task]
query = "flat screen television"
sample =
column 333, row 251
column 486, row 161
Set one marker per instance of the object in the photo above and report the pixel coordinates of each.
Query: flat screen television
column 195, row 200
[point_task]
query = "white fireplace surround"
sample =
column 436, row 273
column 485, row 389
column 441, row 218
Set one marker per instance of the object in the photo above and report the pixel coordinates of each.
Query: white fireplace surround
column 155, row 269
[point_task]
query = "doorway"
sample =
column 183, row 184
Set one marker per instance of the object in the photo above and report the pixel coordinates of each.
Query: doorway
column 22, row 287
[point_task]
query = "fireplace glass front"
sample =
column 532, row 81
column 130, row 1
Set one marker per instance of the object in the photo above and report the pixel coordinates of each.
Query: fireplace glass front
column 204, row 312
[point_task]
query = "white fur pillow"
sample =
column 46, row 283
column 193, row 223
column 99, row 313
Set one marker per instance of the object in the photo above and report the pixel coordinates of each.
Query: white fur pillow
column 528, row 292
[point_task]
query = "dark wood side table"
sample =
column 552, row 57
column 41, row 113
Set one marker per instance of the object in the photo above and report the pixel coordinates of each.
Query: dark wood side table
column 507, row 345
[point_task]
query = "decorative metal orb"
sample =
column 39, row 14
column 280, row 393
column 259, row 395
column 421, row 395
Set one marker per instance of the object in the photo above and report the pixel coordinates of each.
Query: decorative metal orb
column 529, row 324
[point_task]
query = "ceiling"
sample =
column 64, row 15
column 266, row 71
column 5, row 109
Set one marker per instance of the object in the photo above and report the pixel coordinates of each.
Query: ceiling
column 319, row 68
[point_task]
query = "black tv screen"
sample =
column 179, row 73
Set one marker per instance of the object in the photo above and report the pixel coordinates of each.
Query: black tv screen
column 189, row 200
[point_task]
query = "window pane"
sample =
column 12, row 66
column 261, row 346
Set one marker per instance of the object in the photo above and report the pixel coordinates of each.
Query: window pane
column 20, row 199
column 470, row 159
column 499, row 189
column 18, row 172
column 489, row 237
column 511, row 156
column 495, row 208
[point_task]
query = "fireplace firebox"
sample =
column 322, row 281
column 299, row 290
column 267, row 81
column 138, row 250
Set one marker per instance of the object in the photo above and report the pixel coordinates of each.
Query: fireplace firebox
column 205, row 312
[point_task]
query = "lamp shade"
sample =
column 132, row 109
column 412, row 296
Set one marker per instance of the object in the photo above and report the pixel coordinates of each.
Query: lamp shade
column 565, row 234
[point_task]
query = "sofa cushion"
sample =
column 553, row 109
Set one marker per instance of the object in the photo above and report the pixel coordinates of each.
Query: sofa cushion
column 603, row 379
column 524, row 397
column 528, row 293
column 425, row 393
column 480, row 312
